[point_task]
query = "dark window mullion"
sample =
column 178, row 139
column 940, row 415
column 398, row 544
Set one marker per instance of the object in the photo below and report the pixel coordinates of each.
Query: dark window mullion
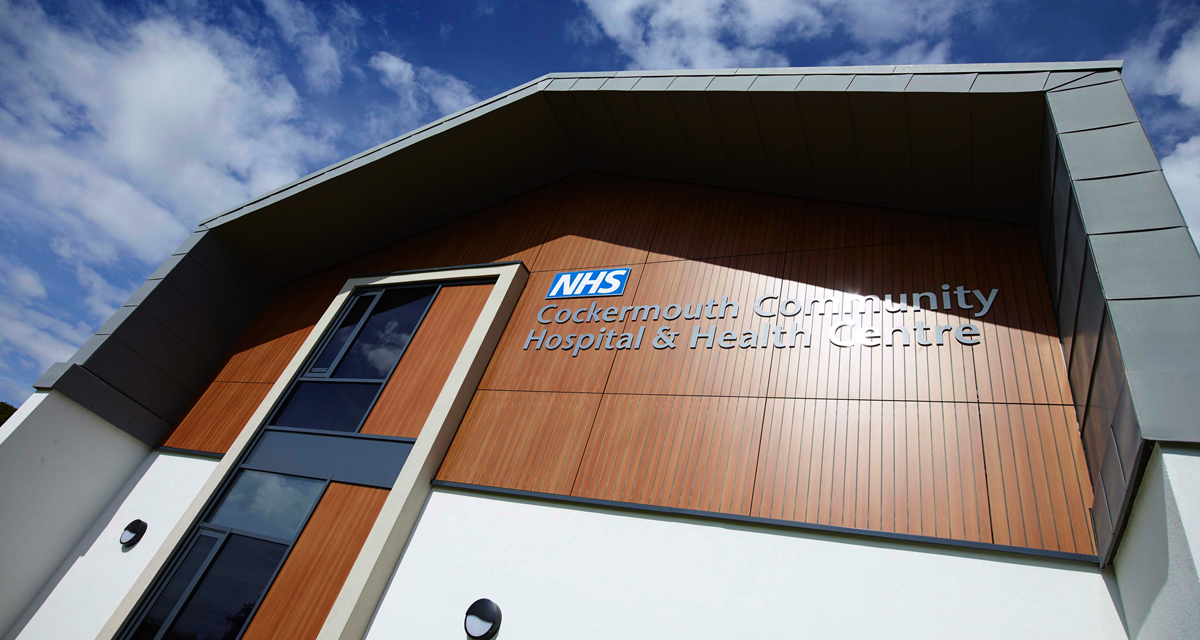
column 283, row 560
column 376, row 295
column 416, row 328
column 186, row 596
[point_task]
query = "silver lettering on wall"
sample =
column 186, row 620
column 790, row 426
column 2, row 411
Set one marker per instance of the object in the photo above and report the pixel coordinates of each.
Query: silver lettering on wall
column 847, row 327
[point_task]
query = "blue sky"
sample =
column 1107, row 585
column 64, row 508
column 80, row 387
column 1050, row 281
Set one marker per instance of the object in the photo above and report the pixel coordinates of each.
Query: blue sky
column 122, row 126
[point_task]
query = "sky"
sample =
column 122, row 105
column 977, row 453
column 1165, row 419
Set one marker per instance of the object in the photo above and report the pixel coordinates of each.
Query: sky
column 124, row 125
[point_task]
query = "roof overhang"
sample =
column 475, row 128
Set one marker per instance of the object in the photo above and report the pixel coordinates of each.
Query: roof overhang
column 955, row 139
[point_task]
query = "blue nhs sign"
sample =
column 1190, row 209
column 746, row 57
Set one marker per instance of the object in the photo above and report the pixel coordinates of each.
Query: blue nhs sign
column 586, row 284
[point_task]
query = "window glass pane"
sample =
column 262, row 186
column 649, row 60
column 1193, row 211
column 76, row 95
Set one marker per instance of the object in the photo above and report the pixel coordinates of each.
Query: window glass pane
column 343, row 333
column 268, row 503
column 174, row 590
column 378, row 346
column 329, row 406
column 221, row 603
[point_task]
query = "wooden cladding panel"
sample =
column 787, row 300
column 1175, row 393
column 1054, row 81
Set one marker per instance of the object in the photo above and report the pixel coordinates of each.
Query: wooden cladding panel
column 217, row 416
column 700, row 371
column 515, row 368
column 906, row 467
column 303, row 593
column 1037, row 477
column 607, row 221
column 221, row 409
column 521, row 440
column 267, row 346
column 684, row 452
column 414, row 387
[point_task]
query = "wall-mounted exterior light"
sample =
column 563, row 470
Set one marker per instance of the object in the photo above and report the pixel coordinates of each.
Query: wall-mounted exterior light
column 483, row 620
column 133, row 533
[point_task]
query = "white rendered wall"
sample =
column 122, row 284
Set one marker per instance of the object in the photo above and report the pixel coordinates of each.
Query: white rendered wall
column 99, row 571
column 60, row 466
column 1156, row 563
column 568, row 572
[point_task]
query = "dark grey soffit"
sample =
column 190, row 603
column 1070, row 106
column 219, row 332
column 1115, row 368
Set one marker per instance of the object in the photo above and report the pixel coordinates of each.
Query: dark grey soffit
column 957, row 139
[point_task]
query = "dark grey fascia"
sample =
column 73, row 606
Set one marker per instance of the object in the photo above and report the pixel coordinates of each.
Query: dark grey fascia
column 1125, row 276
column 146, row 363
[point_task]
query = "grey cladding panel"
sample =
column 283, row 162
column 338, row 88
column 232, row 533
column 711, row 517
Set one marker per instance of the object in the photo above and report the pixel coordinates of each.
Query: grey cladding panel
column 881, row 142
column 1009, row 82
column 1102, row 105
column 165, row 350
column 734, row 116
column 619, row 84
column 664, row 130
column 604, row 132
column 1160, row 345
column 776, row 83
column 1092, row 79
column 131, row 374
column 730, row 83
column 1072, row 274
column 1059, row 215
column 170, row 307
column 653, row 84
column 1128, row 203
column 941, row 83
column 1046, row 184
column 783, row 138
column 1108, row 381
column 574, row 127
column 887, row 83
column 588, row 84
column 1147, row 264
column 211, row 296
column 1006, row 141
column 1059, row 78
column 700, row 131
column 940, row 135
column 824, row 83
column 1100, row 153
column 690, row 83
column 230, row 269
column 1088, row 320
column 827, row 128
column 627, row 118
column 561, row 84
column 354, row 460
column 1127, row 434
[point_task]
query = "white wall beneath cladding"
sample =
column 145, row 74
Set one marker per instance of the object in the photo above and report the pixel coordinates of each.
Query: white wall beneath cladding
column 97, row 574
column 569, row 572
column 1156, row 564
column 60, row 465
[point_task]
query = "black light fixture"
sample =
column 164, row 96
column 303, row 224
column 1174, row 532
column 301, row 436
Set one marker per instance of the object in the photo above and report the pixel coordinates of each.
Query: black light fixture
column 133, row 533
column 483, row 620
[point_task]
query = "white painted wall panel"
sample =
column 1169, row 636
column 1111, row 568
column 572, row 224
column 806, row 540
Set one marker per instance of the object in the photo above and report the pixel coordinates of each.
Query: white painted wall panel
column 569, row 572
column 1156, row 564
column 60, row 465
column 99, row 572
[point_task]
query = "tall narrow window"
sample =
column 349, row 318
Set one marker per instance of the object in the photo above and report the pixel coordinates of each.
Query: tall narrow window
column 340, row 384
column 233, row 557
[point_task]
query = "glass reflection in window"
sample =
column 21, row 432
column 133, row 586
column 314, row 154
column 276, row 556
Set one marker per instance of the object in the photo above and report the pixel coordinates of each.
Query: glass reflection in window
column 386, row 333
column 268, row 504
column 221, row 604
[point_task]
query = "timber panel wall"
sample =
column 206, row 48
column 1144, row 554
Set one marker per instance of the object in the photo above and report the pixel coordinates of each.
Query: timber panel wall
column 413, row 389
column 901, row 444
column 299, row 600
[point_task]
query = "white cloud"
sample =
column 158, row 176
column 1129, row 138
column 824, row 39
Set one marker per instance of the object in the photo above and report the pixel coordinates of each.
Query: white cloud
column 424, row 93
column 116, row 137
column 740, row 33
column 323, row 50
column 1162, row 71
column 918, row 52
column 21, row 281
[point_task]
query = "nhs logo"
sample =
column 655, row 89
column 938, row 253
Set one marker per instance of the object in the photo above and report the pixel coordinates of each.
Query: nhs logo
column 586, row 284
